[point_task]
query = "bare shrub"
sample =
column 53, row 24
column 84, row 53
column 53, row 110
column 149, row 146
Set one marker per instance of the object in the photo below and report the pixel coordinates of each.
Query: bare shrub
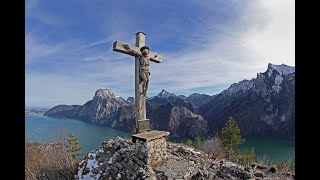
column 217, row 150
column 49, row 160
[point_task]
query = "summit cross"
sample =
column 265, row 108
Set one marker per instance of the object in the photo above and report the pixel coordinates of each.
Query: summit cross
column 143, row 56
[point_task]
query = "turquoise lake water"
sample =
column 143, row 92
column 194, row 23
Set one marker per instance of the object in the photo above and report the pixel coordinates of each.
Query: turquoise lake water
column 39, row 128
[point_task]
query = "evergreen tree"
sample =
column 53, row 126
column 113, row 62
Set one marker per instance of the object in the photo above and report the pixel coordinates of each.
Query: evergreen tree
column 73, row 145
column 230, row 137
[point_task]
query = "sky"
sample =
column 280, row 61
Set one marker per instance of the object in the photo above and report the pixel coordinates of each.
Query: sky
column 207, row 45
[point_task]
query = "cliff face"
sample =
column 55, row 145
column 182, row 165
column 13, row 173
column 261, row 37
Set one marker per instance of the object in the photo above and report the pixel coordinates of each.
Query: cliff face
column 180, row 121
column 264, row 105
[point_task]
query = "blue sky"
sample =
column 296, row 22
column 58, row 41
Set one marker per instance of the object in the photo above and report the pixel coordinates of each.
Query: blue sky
column 207, row 45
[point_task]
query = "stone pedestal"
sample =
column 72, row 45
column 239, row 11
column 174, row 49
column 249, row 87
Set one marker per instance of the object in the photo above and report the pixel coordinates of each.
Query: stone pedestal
column 153, row 145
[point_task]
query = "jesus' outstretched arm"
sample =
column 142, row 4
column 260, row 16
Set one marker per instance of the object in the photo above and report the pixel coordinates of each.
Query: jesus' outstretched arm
column 127, row 47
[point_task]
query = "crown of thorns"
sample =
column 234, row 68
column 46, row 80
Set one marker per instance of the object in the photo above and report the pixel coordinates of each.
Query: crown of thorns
column 144, row 47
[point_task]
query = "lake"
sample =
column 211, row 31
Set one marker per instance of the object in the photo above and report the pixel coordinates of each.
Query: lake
column 41, row 128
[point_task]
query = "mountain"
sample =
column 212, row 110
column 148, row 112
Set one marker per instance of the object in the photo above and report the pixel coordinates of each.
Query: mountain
column 130, row 99
column 106, row 108
column 165, row 111
column 199, row 99
column 264, row 105
column 178, row 120
column 164, row 97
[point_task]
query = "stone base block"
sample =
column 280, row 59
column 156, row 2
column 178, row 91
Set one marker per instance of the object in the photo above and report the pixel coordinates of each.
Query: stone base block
column 153, row 144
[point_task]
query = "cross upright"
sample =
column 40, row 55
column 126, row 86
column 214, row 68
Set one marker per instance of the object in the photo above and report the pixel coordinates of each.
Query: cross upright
column 142, row 60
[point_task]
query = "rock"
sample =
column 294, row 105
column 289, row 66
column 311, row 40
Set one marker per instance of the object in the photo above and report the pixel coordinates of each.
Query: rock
column 254, row 165
column 118, row 166
column 181, row 150
column 259, row 174
column 140, row 156
column 247, row 169
column 118, row 177
column 261, row 166
column 117, row 157
column 114, row 170
column 273, row 169
column 246, row 176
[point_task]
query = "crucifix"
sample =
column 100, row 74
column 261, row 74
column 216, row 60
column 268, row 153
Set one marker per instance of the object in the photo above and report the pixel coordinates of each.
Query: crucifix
column 143, row 56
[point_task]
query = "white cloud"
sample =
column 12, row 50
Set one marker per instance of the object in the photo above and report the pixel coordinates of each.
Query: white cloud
column 276, row 41
column 231, row 53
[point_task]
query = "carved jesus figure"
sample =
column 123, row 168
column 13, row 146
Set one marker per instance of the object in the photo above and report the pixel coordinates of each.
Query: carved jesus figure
column 144, row 61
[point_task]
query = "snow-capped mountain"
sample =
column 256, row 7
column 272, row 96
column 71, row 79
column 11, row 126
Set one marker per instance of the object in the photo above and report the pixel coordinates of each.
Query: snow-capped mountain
column 282, row 69
column 262, row 105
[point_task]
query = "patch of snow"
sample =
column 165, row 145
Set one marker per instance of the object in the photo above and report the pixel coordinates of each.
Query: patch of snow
column 193, row 151
column 110, row 160
column 276, row 89
column 106, row 93
column 268, row 119
column 241, row 86
column 101, row 151
column 278, row 80
column 91, row 164
column 165, row 94
column 229, row 164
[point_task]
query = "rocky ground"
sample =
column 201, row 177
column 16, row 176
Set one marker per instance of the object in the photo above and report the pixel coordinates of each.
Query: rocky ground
column 121, row 159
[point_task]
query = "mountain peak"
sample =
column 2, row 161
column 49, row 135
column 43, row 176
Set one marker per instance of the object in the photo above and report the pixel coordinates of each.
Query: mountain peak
column 106, row 93
column 165, row 94
column 282, row 69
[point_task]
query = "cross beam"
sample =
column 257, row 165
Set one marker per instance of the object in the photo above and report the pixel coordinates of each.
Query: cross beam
column 118, row 47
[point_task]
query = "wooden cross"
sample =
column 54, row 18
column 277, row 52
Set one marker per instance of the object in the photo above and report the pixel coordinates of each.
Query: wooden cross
column 142, row 123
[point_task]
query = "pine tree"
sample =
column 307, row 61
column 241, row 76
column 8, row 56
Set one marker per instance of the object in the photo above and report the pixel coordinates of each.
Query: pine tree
column 230, row 137
column 73, row 146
